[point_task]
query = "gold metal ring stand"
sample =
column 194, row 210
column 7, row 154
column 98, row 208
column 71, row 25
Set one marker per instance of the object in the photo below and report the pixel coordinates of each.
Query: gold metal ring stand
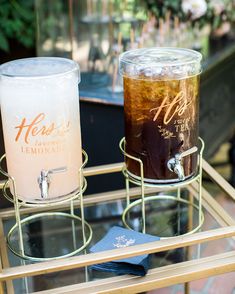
column 177, row 187
column 17, row 232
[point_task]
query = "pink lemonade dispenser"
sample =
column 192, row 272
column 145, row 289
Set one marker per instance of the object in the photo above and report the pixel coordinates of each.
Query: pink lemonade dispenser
column 41, row 126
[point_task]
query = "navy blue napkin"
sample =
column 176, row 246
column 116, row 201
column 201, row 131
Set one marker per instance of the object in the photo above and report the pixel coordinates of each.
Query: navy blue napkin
column 118, row 237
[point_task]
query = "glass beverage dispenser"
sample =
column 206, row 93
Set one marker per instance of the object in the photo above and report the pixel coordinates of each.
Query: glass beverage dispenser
column 161, row 105
column 41, row 126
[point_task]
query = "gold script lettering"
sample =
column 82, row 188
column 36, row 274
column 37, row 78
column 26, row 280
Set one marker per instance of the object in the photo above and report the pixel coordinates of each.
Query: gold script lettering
column 34, row 128
column 177, row 106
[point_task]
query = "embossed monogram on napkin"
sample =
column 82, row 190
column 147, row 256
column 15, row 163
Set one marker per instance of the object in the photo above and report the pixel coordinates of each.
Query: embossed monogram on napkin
column 122, row 241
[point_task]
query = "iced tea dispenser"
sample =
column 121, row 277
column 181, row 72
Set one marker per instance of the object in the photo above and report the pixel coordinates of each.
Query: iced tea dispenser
column 161, row 105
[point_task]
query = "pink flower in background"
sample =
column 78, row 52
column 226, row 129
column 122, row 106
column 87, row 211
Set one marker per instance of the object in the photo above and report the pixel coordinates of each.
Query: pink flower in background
column 223, row 29
column 196, row 8
column 218, row 6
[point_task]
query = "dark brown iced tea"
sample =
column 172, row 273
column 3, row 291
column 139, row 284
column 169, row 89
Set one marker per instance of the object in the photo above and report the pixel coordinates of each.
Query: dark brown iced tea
column 161, row 120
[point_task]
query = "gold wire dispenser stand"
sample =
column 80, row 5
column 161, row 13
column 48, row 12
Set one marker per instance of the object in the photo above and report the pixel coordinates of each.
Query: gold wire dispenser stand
column 139, row 181
column 19, row 203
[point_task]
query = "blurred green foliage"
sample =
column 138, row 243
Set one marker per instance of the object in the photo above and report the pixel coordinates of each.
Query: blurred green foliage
column 213, row 17
column 160, row 7
column 17, row 21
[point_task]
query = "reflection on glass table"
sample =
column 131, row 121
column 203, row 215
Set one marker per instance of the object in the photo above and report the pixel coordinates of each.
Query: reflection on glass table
column 54, row 236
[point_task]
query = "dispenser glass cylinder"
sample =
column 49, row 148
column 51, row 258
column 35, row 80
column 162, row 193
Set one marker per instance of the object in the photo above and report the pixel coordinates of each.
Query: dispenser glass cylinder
column 161, row 105
column 41, row 126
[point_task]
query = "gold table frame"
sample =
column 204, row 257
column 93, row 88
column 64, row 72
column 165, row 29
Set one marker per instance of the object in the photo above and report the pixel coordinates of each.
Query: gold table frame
column 164, row 276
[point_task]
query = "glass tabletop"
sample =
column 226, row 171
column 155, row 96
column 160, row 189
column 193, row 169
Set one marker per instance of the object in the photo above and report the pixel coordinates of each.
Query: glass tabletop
column 55, row 235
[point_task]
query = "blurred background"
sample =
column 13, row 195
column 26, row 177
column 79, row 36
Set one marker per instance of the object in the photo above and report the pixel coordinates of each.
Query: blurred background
column 95, row 32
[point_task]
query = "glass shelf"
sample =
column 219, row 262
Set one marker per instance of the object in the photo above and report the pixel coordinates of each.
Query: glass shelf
column 104, row 211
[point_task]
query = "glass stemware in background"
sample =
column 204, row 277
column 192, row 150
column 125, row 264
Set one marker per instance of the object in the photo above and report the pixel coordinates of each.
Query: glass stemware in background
column 86, row 31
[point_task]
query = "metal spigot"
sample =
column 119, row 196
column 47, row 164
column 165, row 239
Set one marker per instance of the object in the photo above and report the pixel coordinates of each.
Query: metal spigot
column 174, row 164
column 44, row 180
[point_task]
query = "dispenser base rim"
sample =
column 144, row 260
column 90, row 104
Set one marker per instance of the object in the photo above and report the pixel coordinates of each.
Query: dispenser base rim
column 18, row 252
column 164, row 197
